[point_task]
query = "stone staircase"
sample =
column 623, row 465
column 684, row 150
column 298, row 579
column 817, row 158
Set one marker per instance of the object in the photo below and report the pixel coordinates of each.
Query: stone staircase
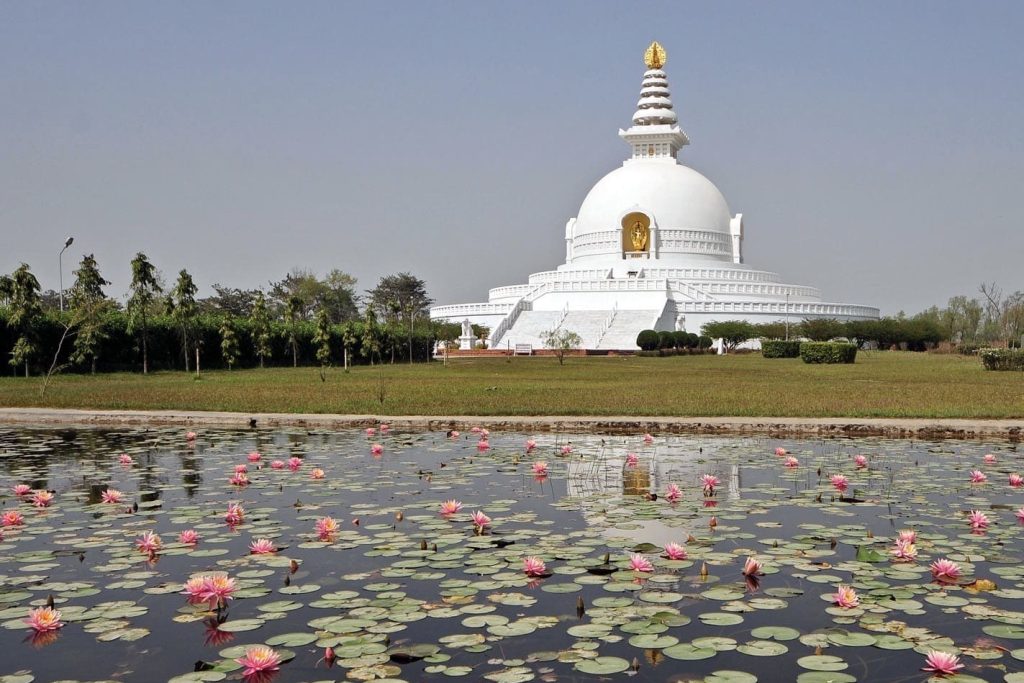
column 626, row 325
column 592, row 327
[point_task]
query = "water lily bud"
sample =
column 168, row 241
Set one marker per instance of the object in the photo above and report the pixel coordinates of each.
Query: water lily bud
column 399, row 516
column 294, row 566
column 704, row 569
column 423, row 544
column 635, row 665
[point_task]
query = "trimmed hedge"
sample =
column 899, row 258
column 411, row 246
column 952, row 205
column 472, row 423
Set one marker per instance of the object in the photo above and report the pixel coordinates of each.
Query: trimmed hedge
column 647, row 340
column 777, row 348
column 828, row 352
column 1002, row 359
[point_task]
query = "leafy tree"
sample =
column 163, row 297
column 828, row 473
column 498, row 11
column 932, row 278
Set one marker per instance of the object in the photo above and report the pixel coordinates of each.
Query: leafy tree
column 731, row 332
column 335, row 292
column 370, row 344
column 293, row 314
column 182, row 305
column 228, row 344
column 820, row 329
column 230, row 301
column 561, row 341
column 322, row 339
column 89, row 306
column 6, row 289
column 260, row 319
column 772, row 330
column 348, row 340
column 144, row 288
column 25, row 312
column 401, row 295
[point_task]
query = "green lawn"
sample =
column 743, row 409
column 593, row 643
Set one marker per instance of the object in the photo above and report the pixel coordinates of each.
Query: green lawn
column 880, row 384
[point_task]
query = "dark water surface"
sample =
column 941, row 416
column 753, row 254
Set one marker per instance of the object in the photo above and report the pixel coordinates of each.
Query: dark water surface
column 462, row 608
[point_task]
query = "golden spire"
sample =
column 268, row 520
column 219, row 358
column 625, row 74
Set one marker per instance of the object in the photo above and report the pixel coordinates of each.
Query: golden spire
column 655, row 56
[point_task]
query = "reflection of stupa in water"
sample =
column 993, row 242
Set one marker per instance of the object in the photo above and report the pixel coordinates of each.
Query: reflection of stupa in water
column 608, row 477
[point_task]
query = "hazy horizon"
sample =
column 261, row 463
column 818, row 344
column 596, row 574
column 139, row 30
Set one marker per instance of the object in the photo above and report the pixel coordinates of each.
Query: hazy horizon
column 875, row 150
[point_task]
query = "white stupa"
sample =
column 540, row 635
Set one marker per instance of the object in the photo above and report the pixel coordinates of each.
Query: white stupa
column 654, row 246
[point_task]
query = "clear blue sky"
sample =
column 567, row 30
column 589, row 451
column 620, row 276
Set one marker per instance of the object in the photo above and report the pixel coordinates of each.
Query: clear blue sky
column 874, row 148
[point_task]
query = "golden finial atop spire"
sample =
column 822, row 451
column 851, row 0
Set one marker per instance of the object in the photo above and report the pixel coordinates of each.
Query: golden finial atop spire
column 655, row 56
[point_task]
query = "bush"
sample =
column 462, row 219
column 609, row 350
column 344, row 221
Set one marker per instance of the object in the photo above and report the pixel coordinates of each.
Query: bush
column 705, row 342
column 1002, row 359
column 666, row 340
column 828, row 352
column 647, row 340
column 681, row 339
column 780, row 349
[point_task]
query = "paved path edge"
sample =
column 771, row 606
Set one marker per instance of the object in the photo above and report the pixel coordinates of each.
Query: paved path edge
column 921, row 428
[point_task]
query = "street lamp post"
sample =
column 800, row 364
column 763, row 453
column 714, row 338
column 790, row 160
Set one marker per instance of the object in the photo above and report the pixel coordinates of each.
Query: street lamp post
column 60, row 268
column 787, row 316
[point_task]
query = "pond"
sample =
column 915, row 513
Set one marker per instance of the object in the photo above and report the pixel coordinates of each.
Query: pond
column 172, row 556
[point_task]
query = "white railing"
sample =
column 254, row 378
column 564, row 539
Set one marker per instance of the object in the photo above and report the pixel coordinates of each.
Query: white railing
column 797, row 309
column 509, row 291
column 694, row 292
column 463, row 310
column 508, row 321
column 607, row 325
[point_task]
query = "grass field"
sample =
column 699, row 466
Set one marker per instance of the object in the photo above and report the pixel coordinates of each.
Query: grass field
column 880, row 384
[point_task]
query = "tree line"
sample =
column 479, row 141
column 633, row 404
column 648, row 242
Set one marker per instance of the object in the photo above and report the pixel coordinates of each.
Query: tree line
column 301, row 319
column 969, row 323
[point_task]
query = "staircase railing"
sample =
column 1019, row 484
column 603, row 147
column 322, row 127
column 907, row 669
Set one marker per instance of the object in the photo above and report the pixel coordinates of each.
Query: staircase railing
column 508, row 321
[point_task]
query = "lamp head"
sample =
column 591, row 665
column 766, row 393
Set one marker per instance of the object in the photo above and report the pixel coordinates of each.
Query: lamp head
column 68, row 242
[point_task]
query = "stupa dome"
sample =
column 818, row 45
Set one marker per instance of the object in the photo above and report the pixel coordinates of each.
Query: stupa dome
column 676, row 197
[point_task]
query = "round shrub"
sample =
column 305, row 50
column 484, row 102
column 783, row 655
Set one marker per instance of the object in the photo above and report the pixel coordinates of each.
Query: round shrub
column 647, row 340
column 777, row 348
column 828, row 352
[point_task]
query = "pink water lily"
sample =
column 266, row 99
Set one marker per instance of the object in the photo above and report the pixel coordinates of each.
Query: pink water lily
column 262, row 546
column 483, row 445
column 277, row 464
column 534, row 566
column 191, row 436
column 11, row 518
column 317, row 473
column 21, row 489
column 945, row 570
column 450, row 507
column 485, row 432
column 540, row 468
column 840, row 482
column 632, row 459
column 149, row 542
column 673, row 493
column 907, row 536
column 125, row 459
column 454, row 434
column 239, row 479
column 860, row 461
column 792, row 462
column 780, row 451
column 978, row 477
column 1016, row 481
column 989, row 459
column 327, row 527
column 376, row 449
column 1020, row 514
column 42, row 498
column 294, row 463
column 530, row 445
column 978, row 520
column 942, row 663
column 254, row 456
column 370, row 431
column 475, row 430
column 648, row 439
column 215, row 589
column 241, row 468
column 674, row 551
column 566, row 449
column 188, row 537
column 259, row 659
column 845, row 596
column 43, row 619
column 904, row 551
column 111, row 496
column 752, row 567
column 640, row 563
column 709, row 482
column 480, row 520
column 385, row 428
column 235, row 514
